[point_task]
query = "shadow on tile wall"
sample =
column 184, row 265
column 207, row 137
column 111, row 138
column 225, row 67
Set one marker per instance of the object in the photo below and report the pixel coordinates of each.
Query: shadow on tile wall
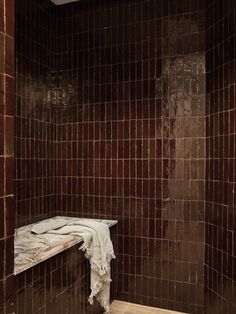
column 220, row 264
column 7, row 208
column 35, row 130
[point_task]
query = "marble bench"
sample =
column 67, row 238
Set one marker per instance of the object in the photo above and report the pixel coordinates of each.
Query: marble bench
column 31, row 249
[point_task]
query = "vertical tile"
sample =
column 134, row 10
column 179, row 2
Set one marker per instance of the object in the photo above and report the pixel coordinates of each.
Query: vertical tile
column 2, row 53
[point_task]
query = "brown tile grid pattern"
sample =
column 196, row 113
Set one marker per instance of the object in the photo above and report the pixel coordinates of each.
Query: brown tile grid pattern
column 220, row 264
column 59, row 285
column 7, row 209
column 119, row 307
column 131, row 142
column 35, row 130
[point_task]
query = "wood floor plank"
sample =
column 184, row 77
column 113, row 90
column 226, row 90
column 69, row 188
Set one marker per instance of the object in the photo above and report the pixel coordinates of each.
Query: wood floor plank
column 120, row 307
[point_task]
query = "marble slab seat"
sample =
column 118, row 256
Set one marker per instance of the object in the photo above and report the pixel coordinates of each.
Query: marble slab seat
column 31, row 249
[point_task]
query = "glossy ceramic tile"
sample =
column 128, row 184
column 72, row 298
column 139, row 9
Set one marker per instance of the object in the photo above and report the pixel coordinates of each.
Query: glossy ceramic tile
column 31, row 249
column 119, row 307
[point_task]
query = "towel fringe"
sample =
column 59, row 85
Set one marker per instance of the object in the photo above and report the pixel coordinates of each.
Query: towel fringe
column 101, row 269
column 104, row 305
column 95, row 290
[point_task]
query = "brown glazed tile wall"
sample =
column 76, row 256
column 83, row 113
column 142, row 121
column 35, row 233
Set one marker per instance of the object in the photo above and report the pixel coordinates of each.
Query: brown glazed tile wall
column 35, row 130
column 131, row 140
column 7, row 202
column 128, row 138
column 220, row 263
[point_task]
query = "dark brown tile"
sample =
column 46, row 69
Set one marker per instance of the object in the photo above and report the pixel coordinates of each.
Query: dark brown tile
column 10, row 215
column 10, row 6
column 9, row 55
column 9, row 136
column 2, row 175
column 2, row 94
column 2, row 16
column 2, row 53
column 10, row 96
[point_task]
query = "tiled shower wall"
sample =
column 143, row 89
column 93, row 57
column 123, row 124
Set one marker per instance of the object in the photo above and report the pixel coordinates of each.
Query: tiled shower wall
column 220, row 268
column 128, row 139
column 7, row 209
column 35, row 130
column 131, row 141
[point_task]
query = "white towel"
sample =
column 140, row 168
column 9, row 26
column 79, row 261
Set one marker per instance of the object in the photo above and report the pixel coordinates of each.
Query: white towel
column 98, row 249
column 43, row 226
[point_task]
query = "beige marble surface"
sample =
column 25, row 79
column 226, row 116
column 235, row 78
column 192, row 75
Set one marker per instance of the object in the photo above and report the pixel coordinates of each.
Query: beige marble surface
column 119, row 307
column 31, row 249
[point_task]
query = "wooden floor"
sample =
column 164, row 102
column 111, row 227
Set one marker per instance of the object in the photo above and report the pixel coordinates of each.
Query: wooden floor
column 119, row 307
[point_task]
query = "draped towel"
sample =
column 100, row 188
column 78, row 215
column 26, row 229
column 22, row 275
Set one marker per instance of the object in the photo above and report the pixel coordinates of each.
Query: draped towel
column 98, row 249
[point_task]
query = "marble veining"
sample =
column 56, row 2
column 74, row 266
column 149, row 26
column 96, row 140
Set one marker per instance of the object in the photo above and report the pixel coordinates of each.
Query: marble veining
column 31, row 249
